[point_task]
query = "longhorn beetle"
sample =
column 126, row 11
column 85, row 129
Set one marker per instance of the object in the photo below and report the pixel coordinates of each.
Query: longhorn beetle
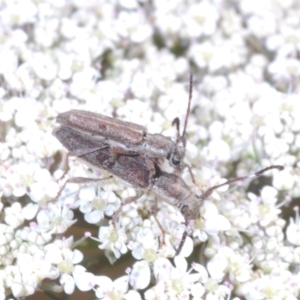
column 134, row 170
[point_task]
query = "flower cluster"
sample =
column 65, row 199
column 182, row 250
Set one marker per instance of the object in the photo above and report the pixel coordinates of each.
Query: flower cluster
column 131, row 59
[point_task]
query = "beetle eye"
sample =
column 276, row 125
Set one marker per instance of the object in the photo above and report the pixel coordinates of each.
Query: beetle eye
column 184, row 209
column 175, row 161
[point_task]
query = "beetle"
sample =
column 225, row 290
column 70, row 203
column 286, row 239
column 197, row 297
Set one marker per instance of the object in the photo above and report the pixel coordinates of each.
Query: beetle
column 134, row 169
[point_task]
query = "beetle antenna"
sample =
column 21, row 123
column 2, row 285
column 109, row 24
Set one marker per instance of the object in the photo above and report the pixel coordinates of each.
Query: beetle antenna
column 183, row 137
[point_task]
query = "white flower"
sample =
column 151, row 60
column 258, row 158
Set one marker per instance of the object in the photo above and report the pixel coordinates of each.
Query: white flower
column 157, row 292
column 19, row 13
column 290, row 254
column 44, row 188
column 218, row 149
column 30, row 234
column 96, row 205
column 12, row 185
column 83, row 83
column 83, row 280
column 201, row 19
column 6, row 233
column 174, row 233
column 55, row 218
column 177, row 280
column 270, row 287
column 286, row 69
column 65, row 62
column 129, row 4
column 140, row 275
column 44, row 66
column 47, row 33
column 35, row 265
column 207, row 285
column 7, row 110
column 28, row 111
column 41, row 145
column 129, row 216
column 231, row 21
column 66, row 262
column 30, row 176
column 286, row 42
column 145, row 245
column 14, row 215
column 285, row 179
column 132, row 295
column 264, row 209
column 293, row 229
column 110, row 290
column 275, row 146
column 8, row 62
column 132, row 25
column 21, row 78
column 262, row 25
column 28, row 271
column 206, row 55
column 226, row 261
column 210, row 223
column 112, row 239
column 168, row 23
column 30, row 210
column 78, row 278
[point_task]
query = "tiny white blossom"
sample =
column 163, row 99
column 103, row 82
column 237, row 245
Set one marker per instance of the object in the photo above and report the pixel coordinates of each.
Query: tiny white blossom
column 140, row 275
column 264, row 209
column 83, row 83
column 169, row 24
column 44, row 188
column 270, row 287
column 96, row 205
column 284, row 69
column 21, row 78
column 19, row 13
column 201, row 19
column 178, row 279
column 6, row 235
column 211, row 222
column 218, row 148
column 112, row 239
column 157, row 292
column 133, row 26
column 129, row 4
column 293, row 229
column 132, row 295
column 198, row 289
column 145, row 245
column 226, row 261
column 110, row 290
column 206, row 55
column 262, row 25
column 285, row 179
column 44, row 66
column 231, row 21
column 129, row 216
column 55, row 218
column 30, row 210
column 47, row 33
column 66, row 261
column 286, row 42
column 14, row 215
